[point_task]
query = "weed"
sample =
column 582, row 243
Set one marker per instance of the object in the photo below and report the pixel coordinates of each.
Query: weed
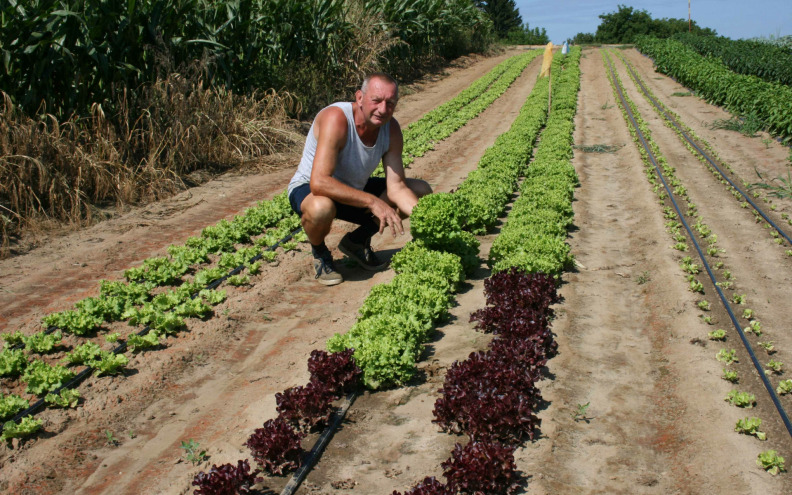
column 192, row 452
column 781, row 190
column 681, row 93
column 111, row 439
column 579, row 414
column 747, row 126
column 599, row 148
column 643, row 278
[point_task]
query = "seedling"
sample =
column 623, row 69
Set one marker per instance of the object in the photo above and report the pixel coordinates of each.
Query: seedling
column 688, row 266
column 707, row 319
column 696, row 286
column 741, row 399
column 776, row 366
column 192, row 452
column 754, row 327
column 747, row 314
column 738, row 298
column 750, row 426
column 727, row 357
column 770, row 461
column 238, row 280
column 730, row 376
column 704, row 305
column 111, row 439
column 680, row 246
column 112, row 338
column 767, row 346
column 784, row 387
column 579, row 414
column 718, row 334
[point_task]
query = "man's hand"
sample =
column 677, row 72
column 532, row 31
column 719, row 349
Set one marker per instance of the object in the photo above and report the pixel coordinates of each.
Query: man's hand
column 387, row 216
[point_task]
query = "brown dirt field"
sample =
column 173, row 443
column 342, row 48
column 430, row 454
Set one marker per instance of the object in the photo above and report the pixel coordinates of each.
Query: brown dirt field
column 626, row 328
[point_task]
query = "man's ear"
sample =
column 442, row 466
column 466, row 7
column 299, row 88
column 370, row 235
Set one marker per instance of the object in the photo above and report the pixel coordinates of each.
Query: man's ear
column 359, row 96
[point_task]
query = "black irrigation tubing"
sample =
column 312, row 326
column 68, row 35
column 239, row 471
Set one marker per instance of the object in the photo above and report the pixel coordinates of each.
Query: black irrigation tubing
column 82, row 375
column 319, row 446
column 712, row 162
column 723, row 298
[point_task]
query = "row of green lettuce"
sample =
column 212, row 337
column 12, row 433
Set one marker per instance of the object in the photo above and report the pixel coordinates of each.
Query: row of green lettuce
column 216, row 254
column 397, row 318
column 745, row 95
column 438, row 124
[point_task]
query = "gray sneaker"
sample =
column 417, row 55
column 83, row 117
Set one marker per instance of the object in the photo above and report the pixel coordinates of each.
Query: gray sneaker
column 362, row 254
column 325, row 272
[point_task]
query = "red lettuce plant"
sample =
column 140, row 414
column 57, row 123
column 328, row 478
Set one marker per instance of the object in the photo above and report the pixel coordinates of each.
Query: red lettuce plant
column 516, row 288
column 276, row 447
column 337, row 370
column 225, row 480
column 305, row 407
column 429, row 486
column 482, row 468
column 487, row 396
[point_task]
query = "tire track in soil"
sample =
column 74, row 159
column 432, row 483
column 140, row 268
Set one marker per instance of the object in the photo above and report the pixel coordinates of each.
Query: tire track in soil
column 183, row 392
column 624, row 345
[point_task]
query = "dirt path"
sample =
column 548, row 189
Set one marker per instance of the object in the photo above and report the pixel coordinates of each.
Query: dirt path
column 656, row 422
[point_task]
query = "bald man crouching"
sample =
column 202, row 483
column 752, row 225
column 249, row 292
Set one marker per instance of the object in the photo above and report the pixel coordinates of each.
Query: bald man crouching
column 343, row 148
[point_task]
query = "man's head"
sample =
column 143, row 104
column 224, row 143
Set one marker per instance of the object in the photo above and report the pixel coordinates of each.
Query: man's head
column 377, row 98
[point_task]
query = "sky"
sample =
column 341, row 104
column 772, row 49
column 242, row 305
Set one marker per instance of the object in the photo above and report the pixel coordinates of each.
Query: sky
column 735, row 19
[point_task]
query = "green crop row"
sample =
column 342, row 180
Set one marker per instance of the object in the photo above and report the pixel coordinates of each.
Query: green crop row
column 420, row 136
column 771, row 103
column 769, row 62
column 534, row 237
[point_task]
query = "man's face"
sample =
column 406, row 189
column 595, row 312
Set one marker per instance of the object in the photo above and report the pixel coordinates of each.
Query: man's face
column 378, row 102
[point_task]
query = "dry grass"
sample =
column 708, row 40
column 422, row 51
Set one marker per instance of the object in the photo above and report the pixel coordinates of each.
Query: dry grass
column 63, row 171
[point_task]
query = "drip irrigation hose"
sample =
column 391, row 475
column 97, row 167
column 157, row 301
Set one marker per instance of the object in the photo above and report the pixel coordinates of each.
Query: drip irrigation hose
column 319, row 446
column 723, row 298
column 712, row 162
column 82, row 375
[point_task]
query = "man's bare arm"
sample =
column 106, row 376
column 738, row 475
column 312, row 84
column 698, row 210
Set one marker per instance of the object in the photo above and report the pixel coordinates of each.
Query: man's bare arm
column 398, row 192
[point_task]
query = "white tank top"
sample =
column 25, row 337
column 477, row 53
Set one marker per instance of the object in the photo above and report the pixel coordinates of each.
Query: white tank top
column 356, row 161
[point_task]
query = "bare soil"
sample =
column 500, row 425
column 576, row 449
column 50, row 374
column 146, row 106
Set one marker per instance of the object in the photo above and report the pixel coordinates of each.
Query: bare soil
column 632, row 344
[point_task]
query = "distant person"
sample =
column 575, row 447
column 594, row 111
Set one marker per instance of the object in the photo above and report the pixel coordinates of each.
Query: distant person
column 343, row 148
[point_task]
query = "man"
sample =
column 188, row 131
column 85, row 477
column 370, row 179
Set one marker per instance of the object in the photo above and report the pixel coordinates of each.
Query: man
column 345, row 144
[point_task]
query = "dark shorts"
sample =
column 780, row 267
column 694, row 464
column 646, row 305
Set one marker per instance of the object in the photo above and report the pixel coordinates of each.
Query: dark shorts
column 353, row 214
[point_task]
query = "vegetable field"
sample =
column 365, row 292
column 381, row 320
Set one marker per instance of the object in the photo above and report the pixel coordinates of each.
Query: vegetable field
column 618, row 371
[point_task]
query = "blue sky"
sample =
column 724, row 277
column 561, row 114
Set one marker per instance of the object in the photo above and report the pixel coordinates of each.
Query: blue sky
column 733, row 18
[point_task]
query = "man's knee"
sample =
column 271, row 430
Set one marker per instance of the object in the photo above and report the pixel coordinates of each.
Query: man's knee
column 419, row 187
column 318, row 209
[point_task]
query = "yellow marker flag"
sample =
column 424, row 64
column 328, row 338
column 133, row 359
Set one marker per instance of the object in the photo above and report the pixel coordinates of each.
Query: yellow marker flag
column 548, row 59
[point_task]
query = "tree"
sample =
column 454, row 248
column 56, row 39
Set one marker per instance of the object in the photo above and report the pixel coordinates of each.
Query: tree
column 504, row 14
column 523, row 35
column 623, row 25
